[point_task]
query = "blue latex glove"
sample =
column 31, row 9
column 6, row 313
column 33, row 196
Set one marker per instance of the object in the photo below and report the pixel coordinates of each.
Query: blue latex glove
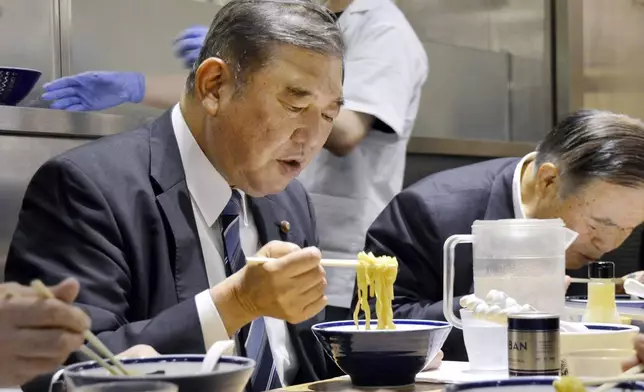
column 187, row 45
column 95, row 90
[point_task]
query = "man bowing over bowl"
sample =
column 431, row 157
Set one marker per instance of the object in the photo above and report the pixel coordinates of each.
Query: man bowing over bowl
column 155, row 223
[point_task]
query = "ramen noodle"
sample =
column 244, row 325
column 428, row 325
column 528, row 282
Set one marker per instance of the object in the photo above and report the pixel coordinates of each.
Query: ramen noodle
column 569, row 384
column 375, row 277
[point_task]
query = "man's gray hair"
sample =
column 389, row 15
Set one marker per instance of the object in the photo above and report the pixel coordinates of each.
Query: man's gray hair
column 593, row 144
column 244, row 33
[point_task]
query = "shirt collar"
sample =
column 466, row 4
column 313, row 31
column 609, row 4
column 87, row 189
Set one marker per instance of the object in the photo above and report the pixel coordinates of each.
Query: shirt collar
column 519, row 213
column 208, row 188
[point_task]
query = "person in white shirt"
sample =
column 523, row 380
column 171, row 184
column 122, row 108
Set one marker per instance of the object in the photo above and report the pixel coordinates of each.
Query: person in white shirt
column 156, row 223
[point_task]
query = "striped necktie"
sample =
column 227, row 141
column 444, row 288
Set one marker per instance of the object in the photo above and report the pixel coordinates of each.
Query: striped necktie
column 256, row 344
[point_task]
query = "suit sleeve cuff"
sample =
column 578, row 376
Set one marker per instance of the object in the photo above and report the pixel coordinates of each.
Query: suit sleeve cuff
column 212, row 326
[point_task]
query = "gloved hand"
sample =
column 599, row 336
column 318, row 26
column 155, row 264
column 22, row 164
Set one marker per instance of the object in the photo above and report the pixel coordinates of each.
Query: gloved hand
column 95, row 90
column 187, row 45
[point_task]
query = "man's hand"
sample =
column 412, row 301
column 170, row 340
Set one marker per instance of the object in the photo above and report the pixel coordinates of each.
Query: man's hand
column 290, row 288
column 139, row 351
column 37, row 335
column 638, row 345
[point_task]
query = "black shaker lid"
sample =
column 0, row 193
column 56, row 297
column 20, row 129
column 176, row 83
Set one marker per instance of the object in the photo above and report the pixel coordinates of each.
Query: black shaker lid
column 533, row 322
column 601, row 270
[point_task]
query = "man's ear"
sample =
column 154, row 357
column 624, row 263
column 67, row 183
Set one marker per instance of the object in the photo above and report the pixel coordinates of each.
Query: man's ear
column 213, row 79
column 548, row 181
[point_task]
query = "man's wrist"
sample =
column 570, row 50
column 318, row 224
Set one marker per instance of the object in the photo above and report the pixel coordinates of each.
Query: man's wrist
column 231, row 306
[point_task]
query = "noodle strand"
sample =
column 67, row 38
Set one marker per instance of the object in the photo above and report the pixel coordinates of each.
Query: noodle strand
column 375, row 277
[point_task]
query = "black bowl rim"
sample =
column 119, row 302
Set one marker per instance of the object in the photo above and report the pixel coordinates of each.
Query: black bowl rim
column 20, row 69
column 75, row 369
column 544, row 380
column 427, row 323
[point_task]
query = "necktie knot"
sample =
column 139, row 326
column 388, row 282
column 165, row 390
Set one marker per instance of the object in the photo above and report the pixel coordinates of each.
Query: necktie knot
column 233, row 207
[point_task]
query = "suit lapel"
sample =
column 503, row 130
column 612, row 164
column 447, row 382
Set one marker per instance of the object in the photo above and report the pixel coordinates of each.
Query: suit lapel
column 173, row 198
column 189, row 269
column 269, row 217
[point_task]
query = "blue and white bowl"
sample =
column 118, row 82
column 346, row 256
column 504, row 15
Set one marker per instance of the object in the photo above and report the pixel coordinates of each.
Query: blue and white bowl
column 231, row 375
column 382, row 358
column 16, row 83
column 527, row 384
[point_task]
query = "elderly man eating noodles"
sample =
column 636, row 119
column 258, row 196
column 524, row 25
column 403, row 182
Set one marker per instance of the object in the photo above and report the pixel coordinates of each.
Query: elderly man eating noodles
column 588, row 171
column 155, row 223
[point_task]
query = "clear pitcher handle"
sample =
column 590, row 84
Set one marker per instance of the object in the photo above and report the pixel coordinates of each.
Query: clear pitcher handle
column 448, row 276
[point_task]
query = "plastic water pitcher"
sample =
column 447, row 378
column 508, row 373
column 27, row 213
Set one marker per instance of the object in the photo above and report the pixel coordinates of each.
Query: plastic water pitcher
column 525, row 258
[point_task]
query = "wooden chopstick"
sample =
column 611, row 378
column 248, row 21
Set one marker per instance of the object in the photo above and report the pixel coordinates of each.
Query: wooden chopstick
column 632, row 374
column 583, row 280
column 89, row 336
column 95, row 357
column 324, row 262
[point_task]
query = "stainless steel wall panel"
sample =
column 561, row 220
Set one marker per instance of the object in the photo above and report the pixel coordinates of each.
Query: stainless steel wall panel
column 466, row 95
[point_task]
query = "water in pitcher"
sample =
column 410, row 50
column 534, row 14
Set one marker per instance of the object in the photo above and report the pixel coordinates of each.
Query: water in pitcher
column 535, row 281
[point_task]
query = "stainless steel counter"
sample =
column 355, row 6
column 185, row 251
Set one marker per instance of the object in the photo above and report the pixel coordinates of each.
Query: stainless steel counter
column 23, row 121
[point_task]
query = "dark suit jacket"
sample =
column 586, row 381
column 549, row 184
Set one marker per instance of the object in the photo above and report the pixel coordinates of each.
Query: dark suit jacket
column 415, row 225
column 116, row 214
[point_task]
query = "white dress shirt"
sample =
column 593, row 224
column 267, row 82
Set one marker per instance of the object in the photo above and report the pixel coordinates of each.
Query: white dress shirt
column 516, row 186
column 385, row 67
column 209, row 194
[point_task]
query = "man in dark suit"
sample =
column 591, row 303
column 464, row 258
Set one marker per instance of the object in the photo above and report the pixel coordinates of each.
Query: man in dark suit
column 588, row 171
column 155, row 223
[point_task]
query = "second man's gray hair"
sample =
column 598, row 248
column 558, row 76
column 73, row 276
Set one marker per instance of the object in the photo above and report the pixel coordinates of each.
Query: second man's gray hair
column 595, row 145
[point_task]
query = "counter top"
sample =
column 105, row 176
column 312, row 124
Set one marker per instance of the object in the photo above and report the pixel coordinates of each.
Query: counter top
column 59, row 123
column 343, row 384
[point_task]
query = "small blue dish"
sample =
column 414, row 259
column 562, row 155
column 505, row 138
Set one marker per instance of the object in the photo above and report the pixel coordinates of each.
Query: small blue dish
column 382, row 358
column 526, row 384
column 16, row 83
column 232, row 373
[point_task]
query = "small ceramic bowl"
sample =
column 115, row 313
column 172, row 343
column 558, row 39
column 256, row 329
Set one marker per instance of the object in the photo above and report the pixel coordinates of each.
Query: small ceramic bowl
column 232, row 373
column 526, row 384
column 598, row 362
column 382, row 358
column 599, row 336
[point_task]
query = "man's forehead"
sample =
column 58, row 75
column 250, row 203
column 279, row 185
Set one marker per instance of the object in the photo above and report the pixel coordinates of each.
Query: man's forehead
column 301, row 71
